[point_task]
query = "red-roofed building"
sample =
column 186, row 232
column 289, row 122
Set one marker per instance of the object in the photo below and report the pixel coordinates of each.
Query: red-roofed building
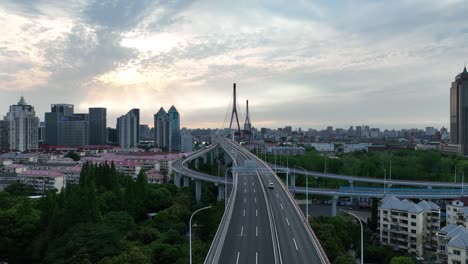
column 42, row 181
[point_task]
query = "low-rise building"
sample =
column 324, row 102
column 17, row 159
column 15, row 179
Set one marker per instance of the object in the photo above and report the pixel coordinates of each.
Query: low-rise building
column 407, row 226
column 457, row 212
column 42, row 181
column 452, row 245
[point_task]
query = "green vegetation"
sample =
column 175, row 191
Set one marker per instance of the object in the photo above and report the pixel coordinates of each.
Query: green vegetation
column 73, row 155
column 104, row 220
column 340, row 234
column 406, row 164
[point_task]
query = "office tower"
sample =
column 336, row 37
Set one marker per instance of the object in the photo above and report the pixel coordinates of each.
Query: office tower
column 174, row 129
column 64, row 127
column 75, row 130
column 53, row 132
column 459, row 111
column 161, row 130
column 23, row 126
column 186, row 143
column 145, row 132
column 4, row 134
column 136, row 113
column 127, row 130
column 41, row 132
column 97, row 126
column 112, row 137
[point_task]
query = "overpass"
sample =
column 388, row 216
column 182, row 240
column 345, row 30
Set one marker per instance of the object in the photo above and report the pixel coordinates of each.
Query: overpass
column 352, row 179
column 259, row 225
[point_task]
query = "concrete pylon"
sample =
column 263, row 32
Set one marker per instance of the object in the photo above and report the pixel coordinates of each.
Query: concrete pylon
column 198, row 190
column 220, row 192
column 334, row 202
column 177, row 179
column 293, row 183
column 186, row 181
column 351, row 198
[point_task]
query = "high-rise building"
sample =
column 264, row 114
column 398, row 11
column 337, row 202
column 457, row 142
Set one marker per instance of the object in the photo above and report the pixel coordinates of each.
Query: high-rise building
column 161, row 129
column 186, row 143
column 127, row 130
column 53, row 119
column 4, row 134
column 112, row 137
column 459, row 111
column 41, row 132
column 23, row 126
column 174, row 129
column 75, row 130
column 145, row 132
column 136, row 113
column 97, row 126
column 64, row 127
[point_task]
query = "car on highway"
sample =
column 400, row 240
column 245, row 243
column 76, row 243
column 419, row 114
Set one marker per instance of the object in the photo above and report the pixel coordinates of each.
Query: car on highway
column 271, row 186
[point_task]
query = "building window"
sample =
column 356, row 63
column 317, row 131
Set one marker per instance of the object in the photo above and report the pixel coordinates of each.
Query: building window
column 456, row 252
column 413, row 216
column 413, row 224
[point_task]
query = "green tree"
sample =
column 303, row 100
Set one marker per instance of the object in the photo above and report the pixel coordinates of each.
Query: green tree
column 402, row 260
column 19, row 189
column 73, row 155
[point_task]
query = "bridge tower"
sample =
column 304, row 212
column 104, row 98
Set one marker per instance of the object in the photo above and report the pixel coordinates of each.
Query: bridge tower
column 247, row 124
column 234, row 112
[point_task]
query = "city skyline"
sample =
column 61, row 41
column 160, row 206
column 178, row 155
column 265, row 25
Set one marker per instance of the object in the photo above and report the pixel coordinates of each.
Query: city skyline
column 322, row 64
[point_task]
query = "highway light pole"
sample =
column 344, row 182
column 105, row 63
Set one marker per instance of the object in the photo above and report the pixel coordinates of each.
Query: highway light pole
column 190, row 229
column 362, row 234
column 287, row 170
column 307, row 191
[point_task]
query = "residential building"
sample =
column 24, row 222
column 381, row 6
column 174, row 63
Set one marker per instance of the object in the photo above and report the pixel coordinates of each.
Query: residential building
column 23, row 126
column 288, row 151
column 186, row 143
column 457, row 212
column 174, row 129
column 42, row 180
column 407, row 226
column 41, row 132
column 97, row 126
column 161, row 129
column 136, row 113
column 458, row 111
column 145, row 132
column 4, row 134
column 452, row 245
column 127, row 130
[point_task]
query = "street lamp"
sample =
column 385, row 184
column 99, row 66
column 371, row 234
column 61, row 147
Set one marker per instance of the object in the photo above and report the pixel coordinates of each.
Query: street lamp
column 307, row 190
column 287, row 170
column 362, row 234
column 190, row 229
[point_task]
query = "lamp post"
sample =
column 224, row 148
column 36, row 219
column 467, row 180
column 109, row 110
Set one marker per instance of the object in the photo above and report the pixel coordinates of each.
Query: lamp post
column 190, row 229
column 287, row 170
column 362, row 234
column 307, row 190
column 463, row 181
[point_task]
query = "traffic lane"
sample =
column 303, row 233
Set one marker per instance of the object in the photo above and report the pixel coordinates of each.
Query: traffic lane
column 295, row 243
column 248, row 238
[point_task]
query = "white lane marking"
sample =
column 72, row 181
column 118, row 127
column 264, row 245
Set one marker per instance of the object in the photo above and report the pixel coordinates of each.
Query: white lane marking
column 256, row 212
column 254, row 191
column 244, row 212
column 277, row 195
column 256, row 257
column 256, row 231
column 238, row 253
column 242, row 230
column 295, row 244
column 245, row 190
column 282, row 208
column 244, row 200
column 255, row 199
column 287, row 221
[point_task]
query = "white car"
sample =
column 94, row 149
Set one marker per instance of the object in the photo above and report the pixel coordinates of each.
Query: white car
column 271, row 186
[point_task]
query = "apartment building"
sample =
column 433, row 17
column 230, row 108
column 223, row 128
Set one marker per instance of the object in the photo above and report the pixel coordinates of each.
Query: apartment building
column 42, row 181
column 452, row 244
column 457, row 212
column 407, row 226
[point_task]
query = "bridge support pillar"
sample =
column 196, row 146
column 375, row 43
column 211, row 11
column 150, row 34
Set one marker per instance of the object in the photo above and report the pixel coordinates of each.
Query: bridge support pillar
column 196, row 163
column 221, row 192
column 198, row 190
column 293, row 183
column 177, row 179
column 186, row 181
column 351, row 198
column 205, row 158
column 334, row 202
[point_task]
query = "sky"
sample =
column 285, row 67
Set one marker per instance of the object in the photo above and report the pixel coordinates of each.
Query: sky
column 303, row 63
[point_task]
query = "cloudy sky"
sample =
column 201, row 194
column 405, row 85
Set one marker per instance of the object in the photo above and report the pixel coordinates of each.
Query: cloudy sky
column 302, row 63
